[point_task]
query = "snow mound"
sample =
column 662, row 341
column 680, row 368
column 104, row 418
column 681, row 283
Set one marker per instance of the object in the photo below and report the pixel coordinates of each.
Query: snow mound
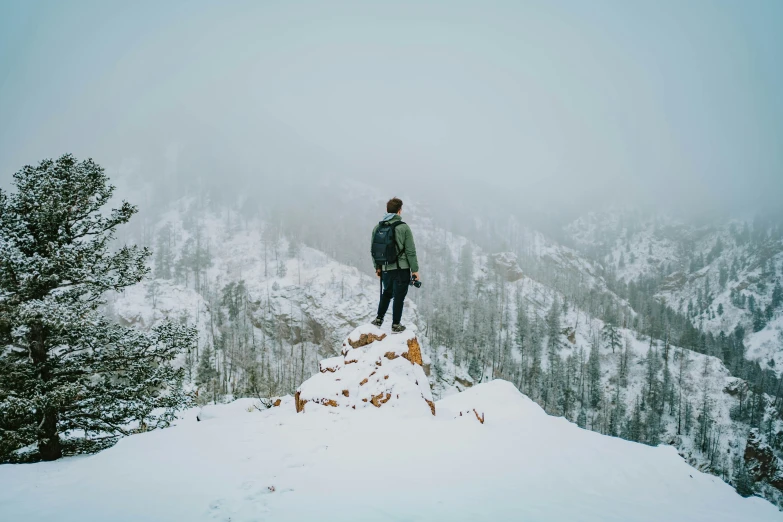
column 375, row 369
column 493, row 401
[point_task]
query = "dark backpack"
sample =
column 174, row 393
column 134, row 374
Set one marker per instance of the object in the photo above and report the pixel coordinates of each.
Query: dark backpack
column 384, row 244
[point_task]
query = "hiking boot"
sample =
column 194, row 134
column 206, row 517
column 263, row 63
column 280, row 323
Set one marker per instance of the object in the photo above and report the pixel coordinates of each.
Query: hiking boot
column 397, row 328
column 377, row 322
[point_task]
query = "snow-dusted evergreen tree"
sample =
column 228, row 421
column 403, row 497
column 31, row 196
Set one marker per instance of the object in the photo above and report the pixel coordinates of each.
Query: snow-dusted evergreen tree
column 610, row 333
column 594, row 376
column 206, row 378
column 553, row 325
column 65, row 369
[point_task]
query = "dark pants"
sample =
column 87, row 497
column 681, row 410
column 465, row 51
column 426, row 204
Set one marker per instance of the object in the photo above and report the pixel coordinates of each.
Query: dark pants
column 395, row 284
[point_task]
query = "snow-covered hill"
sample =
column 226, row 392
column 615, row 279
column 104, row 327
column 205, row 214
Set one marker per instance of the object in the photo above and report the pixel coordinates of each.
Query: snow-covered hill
column 242, row 464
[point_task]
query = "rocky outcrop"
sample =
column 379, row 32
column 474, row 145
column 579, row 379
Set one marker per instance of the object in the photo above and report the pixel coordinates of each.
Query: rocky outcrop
column 365, row 339
column 505, row 263
column 761, row 462
column 466, row 383
column 374, row 370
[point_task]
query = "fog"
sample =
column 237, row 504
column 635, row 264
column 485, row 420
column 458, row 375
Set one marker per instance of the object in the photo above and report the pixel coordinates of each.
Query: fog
column 528, row 106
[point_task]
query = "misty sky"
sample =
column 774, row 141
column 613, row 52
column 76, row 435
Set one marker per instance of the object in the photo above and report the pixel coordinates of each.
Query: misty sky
column 574, row 106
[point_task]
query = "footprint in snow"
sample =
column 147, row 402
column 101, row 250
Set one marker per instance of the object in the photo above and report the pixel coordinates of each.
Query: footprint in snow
column 216, row 508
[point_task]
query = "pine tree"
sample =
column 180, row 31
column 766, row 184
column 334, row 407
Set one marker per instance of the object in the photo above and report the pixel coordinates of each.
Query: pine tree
column 465, row 275
column 163, row 254
column 777, row 296
column 742, row 480
column 153, row 291
column 553, row 325
column 723, row 275
column 474, row 369
column 758, row 319
column 523, row 328
column 66, row 367
column 618, row 413
column 206, row 377
column 569, row 395
column 611, row 334
column 581, row 419
column 668, row 387
column 653, row 385
column 535, row 372
column 653, row 427
column 733, row 272
column 682, row 395
column 624, row 364
column 594, row 376
column 633, row 429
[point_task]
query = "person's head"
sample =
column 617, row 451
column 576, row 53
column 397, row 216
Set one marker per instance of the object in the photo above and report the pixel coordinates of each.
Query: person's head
column 394, row 206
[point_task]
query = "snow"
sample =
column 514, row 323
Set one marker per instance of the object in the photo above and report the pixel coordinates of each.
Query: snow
column 765, row 345
column 383, row 370
column 375, row 464
column 150, row 303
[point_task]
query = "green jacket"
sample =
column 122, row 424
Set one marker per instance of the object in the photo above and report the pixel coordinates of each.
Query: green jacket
column 405, row 247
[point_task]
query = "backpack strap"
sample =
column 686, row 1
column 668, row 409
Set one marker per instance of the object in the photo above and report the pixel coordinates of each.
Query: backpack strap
column 394, row 226
column 394, row 233
column 390, row 224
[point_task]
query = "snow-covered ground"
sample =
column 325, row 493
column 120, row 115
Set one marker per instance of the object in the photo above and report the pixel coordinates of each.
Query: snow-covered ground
column 242, row 464
column 765, row 345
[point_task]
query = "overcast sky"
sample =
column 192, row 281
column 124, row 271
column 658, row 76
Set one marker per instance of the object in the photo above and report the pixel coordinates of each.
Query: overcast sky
column 539, row 104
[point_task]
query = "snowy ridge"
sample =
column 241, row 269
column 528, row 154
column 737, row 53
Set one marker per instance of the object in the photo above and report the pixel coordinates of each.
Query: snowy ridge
column 244, row 464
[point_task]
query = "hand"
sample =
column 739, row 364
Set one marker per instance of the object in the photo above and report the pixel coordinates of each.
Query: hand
column 378, row 272
column 415, row 275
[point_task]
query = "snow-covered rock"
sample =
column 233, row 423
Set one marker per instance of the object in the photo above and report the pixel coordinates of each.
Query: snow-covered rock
column 507, row 266
column 376, row 368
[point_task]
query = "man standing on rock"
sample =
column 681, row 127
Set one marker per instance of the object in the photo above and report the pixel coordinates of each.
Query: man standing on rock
column 394, row 258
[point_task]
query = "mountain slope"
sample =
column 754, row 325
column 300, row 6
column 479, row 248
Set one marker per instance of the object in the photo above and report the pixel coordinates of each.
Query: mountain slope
column 268, row 307
column 722, row 276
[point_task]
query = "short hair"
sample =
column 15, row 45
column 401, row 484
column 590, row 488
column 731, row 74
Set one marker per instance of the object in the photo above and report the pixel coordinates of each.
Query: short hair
column 393, row 205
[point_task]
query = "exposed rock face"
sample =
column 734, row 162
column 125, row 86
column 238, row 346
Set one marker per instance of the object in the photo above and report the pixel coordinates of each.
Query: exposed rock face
column 761, row 462
column 506, row 265
column 364, row 340
column 464, row 382
column 414, row 352
column 375, row 369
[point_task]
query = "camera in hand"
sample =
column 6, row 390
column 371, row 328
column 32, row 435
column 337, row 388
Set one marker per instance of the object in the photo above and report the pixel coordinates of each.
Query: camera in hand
column 415, row 282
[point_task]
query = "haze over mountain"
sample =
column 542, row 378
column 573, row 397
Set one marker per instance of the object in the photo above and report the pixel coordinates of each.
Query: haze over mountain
column 536, row 106
column 594, row 189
